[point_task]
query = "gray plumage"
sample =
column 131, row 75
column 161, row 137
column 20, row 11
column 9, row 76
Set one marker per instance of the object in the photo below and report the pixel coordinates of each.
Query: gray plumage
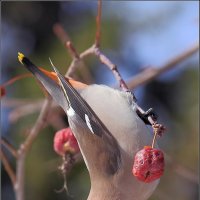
column 109, row 132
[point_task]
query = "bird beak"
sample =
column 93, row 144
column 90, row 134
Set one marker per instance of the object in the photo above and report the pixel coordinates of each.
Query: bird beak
column 50, row 81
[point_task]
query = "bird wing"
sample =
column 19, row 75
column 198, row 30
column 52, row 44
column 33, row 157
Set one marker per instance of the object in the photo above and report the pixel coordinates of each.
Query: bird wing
column 71, row 101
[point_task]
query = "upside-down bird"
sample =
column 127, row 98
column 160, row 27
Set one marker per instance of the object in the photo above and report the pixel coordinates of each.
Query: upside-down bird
column 108, row 129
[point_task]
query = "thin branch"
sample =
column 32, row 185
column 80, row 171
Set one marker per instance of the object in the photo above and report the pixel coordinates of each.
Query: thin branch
column 7, row 167
column 14, row 102
column 60, row 33
column 16, row 78
column 74, row 54
column 24, row 148
column 151, row 73
column 38, row 126
column 98, row 24
column 9, row 147
column 77, row 61
column 25, row 110
column 181, row 170
column 106, row 61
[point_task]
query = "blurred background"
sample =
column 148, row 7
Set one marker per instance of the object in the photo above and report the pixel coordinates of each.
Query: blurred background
column 135, row 35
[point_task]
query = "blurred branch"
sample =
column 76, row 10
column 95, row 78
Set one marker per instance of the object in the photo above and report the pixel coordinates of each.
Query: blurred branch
column 24, row 148
column 98, row 24
column 7, row 167
column 16, row 78
column 9, row 147
column 60, row 33
column 37, row 127
column 152, row 72
column 24, row 110
column 77, row 61
column 13, row 102
column 181, row 170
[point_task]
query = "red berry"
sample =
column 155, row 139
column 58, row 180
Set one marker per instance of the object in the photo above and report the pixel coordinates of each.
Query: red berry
column 148, row 164
column 64, row 141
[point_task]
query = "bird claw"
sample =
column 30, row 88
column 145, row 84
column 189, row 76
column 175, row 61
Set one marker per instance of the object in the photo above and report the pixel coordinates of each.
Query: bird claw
column 149, row 113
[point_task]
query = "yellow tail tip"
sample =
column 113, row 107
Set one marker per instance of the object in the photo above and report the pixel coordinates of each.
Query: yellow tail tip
column 20, row 57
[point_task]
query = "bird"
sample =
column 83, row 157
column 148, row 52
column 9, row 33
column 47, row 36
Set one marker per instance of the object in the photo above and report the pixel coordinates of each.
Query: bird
column 108, row 130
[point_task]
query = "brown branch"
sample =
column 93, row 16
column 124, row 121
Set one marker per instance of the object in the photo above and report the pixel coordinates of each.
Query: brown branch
column 72, row 50
column 181, row 170
column 77, row 61
column 98, row 24
column 14, row 102
column 24, row 110
column 25, row 147
column 60, row 33
column 106, row 61
column 37, row 127
column 9, row 147
column 151, row 73
column 7, row 167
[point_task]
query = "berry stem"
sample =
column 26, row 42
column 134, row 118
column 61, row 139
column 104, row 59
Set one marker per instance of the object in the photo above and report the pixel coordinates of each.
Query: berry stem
column 154, row 137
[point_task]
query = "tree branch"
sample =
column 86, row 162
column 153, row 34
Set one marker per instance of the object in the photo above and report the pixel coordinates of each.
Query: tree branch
column 9, row 147
column 151, row 73
column 7, row 167
column 60, row 33
column 25, row 147
column 98, row 24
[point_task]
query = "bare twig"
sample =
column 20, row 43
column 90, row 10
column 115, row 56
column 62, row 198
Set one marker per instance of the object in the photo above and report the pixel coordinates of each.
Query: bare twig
column 98, row 24
column 37, row 127
column 24, row 110
column 151, row 73
column 9, row 147
column 60, row 33
column 14, row 102
column 77, row 61
column 106, row 61
column 24, row 148
column 181, row 170
column 11, row 81
column 72, row 50
column 7, row 167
